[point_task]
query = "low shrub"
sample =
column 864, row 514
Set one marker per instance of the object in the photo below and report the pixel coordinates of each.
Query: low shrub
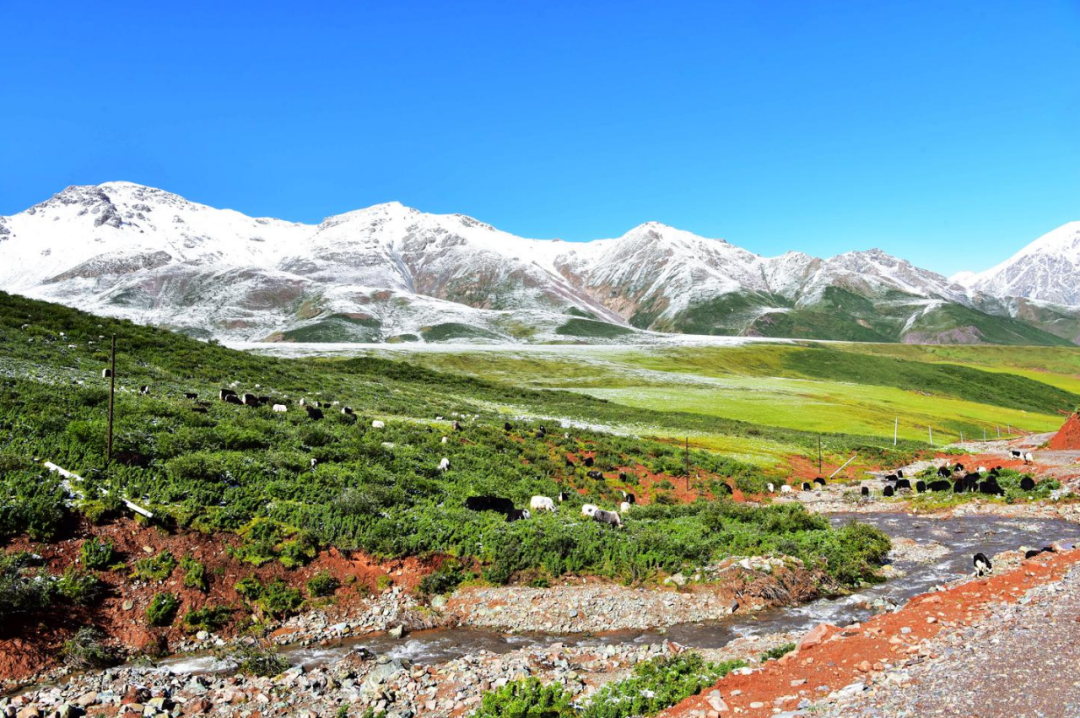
column 778, row 652
column 97, row 554
column 85, row 650
column 528, row 698
column 322, row 584
column 162, row 609
column 208, row 618
column 78, row 586
column 258, row 660
column 22, row 590
column 194, row 574
column 154, row 568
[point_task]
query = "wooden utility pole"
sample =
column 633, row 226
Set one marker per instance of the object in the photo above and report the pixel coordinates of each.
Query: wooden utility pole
column 931, row 435
column 895, row 430
column 112, row 394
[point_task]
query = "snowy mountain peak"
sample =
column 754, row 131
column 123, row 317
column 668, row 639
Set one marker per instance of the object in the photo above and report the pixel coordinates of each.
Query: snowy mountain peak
column 1047, row 270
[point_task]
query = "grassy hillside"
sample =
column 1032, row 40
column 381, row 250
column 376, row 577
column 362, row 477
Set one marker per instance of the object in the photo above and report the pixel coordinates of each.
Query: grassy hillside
column 287, row 483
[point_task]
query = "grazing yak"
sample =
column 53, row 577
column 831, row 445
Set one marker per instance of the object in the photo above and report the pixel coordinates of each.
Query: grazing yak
column 250, row 400
column 820, row 481
column 806, row 486
column 1027, row 483
column 144, row 390
column 570, row 463
column 889, row 491
column 920, row 486
column 1031, row 553
column 903, row 484
column 941, row 485
column 191, row 395
column 313, row 413
column 865, row 491
column 347, row 410
column 1016, row 453
column 496, row 504
column 518, row 515
column 541, row 503
column 233, row 399
column 596, row 513
column 507, row 427
column 944, row 472
column 982, row 565
column 589, row 461
column 622, row 476
column 224, row 393
column 629, row 497
column 594, row 475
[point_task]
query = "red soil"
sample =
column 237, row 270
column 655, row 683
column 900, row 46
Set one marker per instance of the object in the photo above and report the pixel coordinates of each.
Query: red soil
column 847, row 655
column 1068, row 438
column 31, row 644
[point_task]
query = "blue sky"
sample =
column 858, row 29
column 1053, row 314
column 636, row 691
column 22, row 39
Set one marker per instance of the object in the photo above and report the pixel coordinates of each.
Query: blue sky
column 947, row 133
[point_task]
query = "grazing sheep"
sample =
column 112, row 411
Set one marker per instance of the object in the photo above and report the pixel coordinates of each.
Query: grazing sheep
column 982, row 565
column 1027, row 483
column 457, row 425
column 589, row 509
column 771, row 489
column 280, row 408
column 378, row 424
column 444, row 465
column 443, row 440
column 980, row 470
column 541, row 503
column 785, row 489
column 1028, row 458
column 624, row 507
column 314, row 463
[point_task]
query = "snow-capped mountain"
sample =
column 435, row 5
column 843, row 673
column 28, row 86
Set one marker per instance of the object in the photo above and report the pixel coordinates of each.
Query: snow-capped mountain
column 391, row 273
column 1047, row 270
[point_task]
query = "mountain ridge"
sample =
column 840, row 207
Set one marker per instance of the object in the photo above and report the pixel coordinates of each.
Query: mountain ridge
column 393, row 273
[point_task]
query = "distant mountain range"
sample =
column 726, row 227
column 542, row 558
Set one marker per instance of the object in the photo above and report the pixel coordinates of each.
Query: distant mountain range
column 391, row 273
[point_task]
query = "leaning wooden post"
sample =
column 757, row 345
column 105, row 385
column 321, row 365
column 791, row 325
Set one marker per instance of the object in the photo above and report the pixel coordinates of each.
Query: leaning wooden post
column 931, row 435
column 112, row 394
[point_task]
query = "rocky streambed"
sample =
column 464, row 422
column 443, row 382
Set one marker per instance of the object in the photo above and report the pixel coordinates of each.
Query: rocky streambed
column 444, row 671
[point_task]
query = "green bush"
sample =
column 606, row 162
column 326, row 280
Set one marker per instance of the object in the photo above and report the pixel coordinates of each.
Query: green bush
column 208, row 618
column 162, row 609
column 280, row 600
column 528, row 698
column 96, row 554
column 257, row 660
column 655, row 685
column 22, row 590
column 78, row 586
column 322, row 584
column 154, row 568
column 85, row 650
column 778, row 652
column 449, row 576
column 249, row 588
column 194, row 574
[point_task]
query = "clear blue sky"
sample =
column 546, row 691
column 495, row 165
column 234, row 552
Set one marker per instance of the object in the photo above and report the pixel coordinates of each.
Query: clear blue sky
column 944, row 132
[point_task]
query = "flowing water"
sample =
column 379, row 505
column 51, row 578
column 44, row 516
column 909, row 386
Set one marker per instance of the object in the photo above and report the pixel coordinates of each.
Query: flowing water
column 962, row 536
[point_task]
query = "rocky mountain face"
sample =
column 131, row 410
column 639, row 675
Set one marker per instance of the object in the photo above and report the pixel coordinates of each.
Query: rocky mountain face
column 391, row 273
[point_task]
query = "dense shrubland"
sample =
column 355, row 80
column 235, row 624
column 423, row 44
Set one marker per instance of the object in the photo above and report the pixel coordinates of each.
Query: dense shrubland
column 287, row 484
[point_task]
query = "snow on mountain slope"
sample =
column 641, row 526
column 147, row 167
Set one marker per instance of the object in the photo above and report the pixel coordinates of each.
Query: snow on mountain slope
column 391, row 273
column 1048, row 270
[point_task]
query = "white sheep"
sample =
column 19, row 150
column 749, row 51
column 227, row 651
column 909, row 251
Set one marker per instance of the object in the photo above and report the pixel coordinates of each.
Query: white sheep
column 280, row 408
column 624, row 507
column 771, row 488
column 444, row 464
column 785, row 489
column 378, row 424
column 589, row 510
column 541, row 503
